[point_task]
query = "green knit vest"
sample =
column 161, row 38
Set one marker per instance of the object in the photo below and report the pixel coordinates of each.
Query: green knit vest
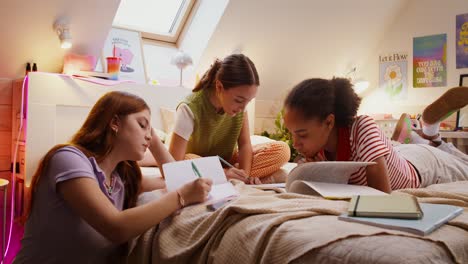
column 213, row 133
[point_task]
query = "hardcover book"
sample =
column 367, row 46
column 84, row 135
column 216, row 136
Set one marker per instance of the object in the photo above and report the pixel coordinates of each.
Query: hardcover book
column 393, row 206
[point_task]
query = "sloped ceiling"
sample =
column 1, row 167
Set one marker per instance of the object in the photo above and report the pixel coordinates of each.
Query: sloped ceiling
column 287, row 40
column 28, row 36
column 293, row 40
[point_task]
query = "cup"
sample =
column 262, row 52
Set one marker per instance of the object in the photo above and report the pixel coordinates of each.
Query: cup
column 113, row 67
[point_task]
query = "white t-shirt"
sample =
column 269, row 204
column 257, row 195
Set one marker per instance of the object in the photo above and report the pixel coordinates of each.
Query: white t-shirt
column 184, row 122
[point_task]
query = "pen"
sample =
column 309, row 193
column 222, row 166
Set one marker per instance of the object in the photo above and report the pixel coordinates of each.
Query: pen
column 225, row 162
column 228, row 164
column 195, row 170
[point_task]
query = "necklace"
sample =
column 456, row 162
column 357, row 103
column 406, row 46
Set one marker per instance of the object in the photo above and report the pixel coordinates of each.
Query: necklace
column 109, row 188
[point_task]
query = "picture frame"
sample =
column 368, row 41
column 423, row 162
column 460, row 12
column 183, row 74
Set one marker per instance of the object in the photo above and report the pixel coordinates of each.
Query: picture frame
column 127, row 45
column 462, row 114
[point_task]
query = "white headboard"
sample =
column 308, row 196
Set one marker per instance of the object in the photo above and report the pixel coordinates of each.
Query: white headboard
column 58, row 105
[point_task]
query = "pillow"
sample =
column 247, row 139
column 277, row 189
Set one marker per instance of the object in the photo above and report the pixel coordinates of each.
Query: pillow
column 161, row 134
column 168, row 119
column 256, row 139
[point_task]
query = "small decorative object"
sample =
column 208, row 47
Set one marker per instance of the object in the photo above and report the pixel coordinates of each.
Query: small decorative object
column 181, row 60
column 73, row 63
column 28, row 68
column 282, row 134
column 153, row 82
column 360, row 85
column 126, row 45
column 113, row 67
column 62, row 27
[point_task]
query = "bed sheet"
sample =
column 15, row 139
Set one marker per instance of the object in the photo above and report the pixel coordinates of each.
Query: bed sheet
column 291, row 228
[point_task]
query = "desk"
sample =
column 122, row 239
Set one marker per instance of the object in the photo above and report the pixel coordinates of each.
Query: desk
column 458, row 138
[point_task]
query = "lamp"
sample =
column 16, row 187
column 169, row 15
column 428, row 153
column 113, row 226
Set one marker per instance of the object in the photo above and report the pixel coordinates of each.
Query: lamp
column 63, row 31
column 181, row 60
column 360, row 84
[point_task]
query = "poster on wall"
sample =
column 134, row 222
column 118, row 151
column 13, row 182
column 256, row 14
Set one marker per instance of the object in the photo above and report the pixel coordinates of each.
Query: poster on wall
column 430, row 61
column 393, row 75
column 126, row 44
column 462, row 41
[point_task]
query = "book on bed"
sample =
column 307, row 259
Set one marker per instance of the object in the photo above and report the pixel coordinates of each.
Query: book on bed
column 328, row 179
column 391, row 206
column 181, row 172
column 435, row 215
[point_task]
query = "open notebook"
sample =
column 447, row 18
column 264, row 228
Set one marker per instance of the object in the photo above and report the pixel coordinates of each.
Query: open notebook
column 328, row 179
column 181, row 172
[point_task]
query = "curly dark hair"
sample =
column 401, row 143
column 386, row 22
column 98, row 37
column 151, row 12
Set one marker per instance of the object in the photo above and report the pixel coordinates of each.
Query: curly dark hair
column 317, row 98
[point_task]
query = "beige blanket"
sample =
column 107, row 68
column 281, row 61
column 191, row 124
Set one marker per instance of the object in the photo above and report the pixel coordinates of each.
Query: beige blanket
column 265, row 227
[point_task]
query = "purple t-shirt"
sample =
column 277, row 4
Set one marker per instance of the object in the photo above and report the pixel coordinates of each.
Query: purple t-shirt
column 54, row 233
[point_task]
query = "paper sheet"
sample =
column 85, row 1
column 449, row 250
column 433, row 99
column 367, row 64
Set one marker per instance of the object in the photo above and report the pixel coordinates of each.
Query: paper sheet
column 180, row 172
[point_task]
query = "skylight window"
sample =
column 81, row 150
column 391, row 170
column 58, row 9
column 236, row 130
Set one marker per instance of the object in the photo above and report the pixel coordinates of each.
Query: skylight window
column 156, row 19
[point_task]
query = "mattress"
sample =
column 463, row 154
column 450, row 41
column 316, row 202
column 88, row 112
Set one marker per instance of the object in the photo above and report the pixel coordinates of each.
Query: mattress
column 264, row 227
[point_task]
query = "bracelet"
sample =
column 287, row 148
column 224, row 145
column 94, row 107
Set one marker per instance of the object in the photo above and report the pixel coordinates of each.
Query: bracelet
column 181, row 199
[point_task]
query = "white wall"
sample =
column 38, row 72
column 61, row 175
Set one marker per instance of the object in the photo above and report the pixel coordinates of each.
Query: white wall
column 418, row 18
column 27, row 32
column 292, row 40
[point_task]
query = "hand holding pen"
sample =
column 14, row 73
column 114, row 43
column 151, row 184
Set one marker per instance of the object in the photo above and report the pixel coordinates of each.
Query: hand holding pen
column 238, row 174
column 197, row 190
column 195, row 170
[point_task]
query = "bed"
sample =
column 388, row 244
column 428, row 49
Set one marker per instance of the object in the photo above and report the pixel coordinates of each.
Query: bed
column 269, row 227
column 260, row 226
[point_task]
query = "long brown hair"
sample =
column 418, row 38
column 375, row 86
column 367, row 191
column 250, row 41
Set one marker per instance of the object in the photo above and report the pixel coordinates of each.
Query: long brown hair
column 234, row 70
column 96, row 139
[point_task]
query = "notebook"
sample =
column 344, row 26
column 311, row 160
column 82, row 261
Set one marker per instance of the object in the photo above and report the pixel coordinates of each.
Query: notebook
column 179, row 173
column 435, row 215
column 328, row 179
column 393, row 206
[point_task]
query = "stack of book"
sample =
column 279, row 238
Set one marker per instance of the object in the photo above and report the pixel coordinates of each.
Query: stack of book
column 399, row 212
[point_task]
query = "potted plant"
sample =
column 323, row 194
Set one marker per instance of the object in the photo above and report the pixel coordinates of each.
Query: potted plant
column 282, row 134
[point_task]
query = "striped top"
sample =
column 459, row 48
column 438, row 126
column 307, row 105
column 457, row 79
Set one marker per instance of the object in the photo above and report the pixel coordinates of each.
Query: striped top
column 369, row 143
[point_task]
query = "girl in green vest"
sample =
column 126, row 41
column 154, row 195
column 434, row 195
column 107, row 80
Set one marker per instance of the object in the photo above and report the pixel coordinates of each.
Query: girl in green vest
column 212, row 121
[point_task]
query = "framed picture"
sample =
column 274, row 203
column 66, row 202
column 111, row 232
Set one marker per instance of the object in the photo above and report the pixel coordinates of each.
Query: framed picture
column 125, row 44
column 462, row 114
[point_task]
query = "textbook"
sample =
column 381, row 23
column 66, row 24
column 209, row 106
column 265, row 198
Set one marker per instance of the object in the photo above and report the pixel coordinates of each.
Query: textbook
column 328, row 179
column 181, row 172
column 435, row 215
column 391, row 206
